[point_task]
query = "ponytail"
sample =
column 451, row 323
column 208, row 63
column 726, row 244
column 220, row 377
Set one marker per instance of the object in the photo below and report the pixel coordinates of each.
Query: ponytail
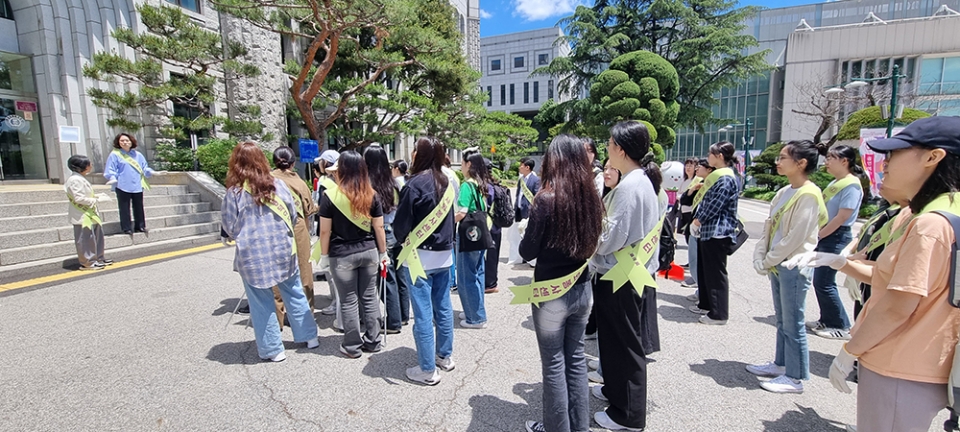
column 846, row 153
column 652, row 170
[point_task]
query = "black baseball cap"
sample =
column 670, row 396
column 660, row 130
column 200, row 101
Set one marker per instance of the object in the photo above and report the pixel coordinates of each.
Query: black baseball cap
column 932, row 132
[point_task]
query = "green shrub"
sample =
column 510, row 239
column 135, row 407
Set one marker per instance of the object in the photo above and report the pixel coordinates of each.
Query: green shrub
column 867, row 210
column 170, row 157
column 214, row 157
column 871, row 117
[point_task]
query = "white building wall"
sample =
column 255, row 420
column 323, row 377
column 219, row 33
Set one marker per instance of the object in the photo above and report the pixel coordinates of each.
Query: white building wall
column 529, row 45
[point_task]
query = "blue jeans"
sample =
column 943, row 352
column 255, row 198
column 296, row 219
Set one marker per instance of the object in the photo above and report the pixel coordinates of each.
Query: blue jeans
column 263, row 314
column 692, row 259
column 560, row 325
column 470, row 285
column 832, row 313
column 453, row 267
column 789, row 295
column 430, row 299
column 398, row 291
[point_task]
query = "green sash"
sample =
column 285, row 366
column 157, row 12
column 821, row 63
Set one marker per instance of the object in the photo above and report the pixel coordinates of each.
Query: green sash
column 90, row 216
column 807, row 189
column 632, row 262
column 941, row 203
column 280, row 209
column 526, row 191
column 709, row 182
column 881, row 236
column 694, row 182
column 419, row 234
column 327, row 182
column 133, row 162
column 838, row 185
column 342, row 203
column 542, row 291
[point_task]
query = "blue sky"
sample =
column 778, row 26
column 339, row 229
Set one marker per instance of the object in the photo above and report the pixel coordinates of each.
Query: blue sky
column 508, row 16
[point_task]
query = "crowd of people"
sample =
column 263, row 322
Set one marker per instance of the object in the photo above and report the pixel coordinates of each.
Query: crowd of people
column 394, row 237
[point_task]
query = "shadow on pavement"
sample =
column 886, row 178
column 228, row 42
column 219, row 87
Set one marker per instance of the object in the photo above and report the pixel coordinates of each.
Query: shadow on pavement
column 730, row 374
column 391, row 364
column 493, row 413
column 678, row 300
column 676, row 314
column 226, row 307
column 820, row 364
column 520, row 280
column 802, row 420
column 235, row 353
column 528, row 324
column 769, row 319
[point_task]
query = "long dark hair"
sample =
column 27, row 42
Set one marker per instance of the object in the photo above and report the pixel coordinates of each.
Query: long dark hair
column 576, row 213
column 804, row 150
column 634, row 138
column 283, row 157
column 248, row 166
column 354, row 181
column 945, row 179
column 381, row 177
column 478, row 170
column 848, row 154
column 430, row 156
column 725, row 150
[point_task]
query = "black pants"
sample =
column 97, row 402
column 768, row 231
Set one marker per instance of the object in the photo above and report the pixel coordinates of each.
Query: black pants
column 712, row 277
column 492, row 262
column 620, row 330
column 123, row 200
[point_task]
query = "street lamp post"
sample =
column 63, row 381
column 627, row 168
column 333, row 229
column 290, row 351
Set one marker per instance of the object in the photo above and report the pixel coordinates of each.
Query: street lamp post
column 747, row 138
column 894, row 90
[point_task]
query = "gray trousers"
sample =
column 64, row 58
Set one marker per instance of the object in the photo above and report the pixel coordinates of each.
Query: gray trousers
column 89, row 244
column 887, row 404
column 355, row 277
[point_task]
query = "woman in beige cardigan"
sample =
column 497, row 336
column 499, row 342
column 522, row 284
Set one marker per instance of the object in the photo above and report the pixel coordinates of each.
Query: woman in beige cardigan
column 84, row 214
column 795, row 217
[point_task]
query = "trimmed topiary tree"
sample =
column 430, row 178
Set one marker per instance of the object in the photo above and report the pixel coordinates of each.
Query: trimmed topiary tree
column 871, row 117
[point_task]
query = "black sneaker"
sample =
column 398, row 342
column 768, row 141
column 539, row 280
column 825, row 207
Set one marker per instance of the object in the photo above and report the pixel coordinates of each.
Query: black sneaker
column 106, row 262
column 533, row 426
column 393, row 331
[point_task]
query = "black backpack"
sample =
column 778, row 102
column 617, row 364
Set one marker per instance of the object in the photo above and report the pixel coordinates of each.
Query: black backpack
column 668, row 245
column 501, row 211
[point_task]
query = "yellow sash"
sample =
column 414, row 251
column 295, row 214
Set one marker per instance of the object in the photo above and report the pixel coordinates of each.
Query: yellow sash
column 419, row 234
column 709, row 182
column 838, row 185
column 541, row 291
column 807, row 189
column 941, row 203
column 296, row 199
column 133, row 162
column 90, row 216
column 694, row 182
column 327, row 182
column 527, row 193
column 280, row 209
column 342, row 203
column 632, row 262
column 881, row 236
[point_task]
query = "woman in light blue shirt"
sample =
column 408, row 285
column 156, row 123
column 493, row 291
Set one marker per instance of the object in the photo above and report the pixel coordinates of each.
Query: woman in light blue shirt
column 842, row 197
column 127, row 171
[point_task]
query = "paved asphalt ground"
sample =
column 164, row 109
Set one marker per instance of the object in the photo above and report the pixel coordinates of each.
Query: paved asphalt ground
column 145, row 349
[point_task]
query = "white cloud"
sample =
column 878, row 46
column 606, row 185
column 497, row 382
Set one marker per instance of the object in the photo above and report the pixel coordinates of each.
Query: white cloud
column 485, row 15
column 536, row 10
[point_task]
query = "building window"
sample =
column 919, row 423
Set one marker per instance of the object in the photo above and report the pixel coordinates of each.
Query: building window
column 503, row 94
column 543, row 59
column 518, row 62
column 495, row 65
column 512, row 94
column 193, row 5
column 526, row 92
column 940, row 76
column 189, row 110
column 550, row 89
column 536, row 91
column 5, row 10
column 489, row 96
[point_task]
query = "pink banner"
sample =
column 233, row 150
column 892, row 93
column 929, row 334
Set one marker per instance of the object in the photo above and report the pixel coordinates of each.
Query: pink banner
column 873, row 161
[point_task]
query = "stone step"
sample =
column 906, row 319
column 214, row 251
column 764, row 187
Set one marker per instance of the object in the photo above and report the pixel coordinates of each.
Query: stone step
column 27, row 223
column 60, row 207
column 66, row 249
column 32, row 269
column 65, row 232
column 24, row 197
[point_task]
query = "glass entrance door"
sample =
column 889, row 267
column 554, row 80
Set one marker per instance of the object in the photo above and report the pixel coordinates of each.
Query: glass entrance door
column 21, row 141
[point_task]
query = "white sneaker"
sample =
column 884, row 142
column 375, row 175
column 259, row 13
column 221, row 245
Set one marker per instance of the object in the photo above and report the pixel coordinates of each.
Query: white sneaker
column 688, row 283
column 595, row 377
column 465, row 324
column 277, row 358
column 329, row 310
column 815, row 325
column 606, row 422
column 417, row 375
column 704, row 319
column 597, row 392
column 445, row 364
column 769, row 370
column 313, row 343
column 697, row 310
column 593, row 364
column 693, row 297
column 833, row 333
column 782, row 384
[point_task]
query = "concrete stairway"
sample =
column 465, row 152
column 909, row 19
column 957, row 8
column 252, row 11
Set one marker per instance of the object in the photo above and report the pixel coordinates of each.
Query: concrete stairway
column 36, row 236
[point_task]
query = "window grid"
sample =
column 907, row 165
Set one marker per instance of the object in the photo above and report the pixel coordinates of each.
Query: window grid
column 518, row 62
column 512, row 93
column 526, row 92
column 191, row 5
column 495, row 65
column 536, row 92
column 503, row 94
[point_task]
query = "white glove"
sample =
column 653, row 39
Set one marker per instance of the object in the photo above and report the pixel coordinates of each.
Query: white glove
column 816, row 259
column 841, row 367
column 853, row 287
column 758, row 266
column 102, row 197
column 324, row 264
column 112, row 182
column 385, row 258
column 695, row 230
